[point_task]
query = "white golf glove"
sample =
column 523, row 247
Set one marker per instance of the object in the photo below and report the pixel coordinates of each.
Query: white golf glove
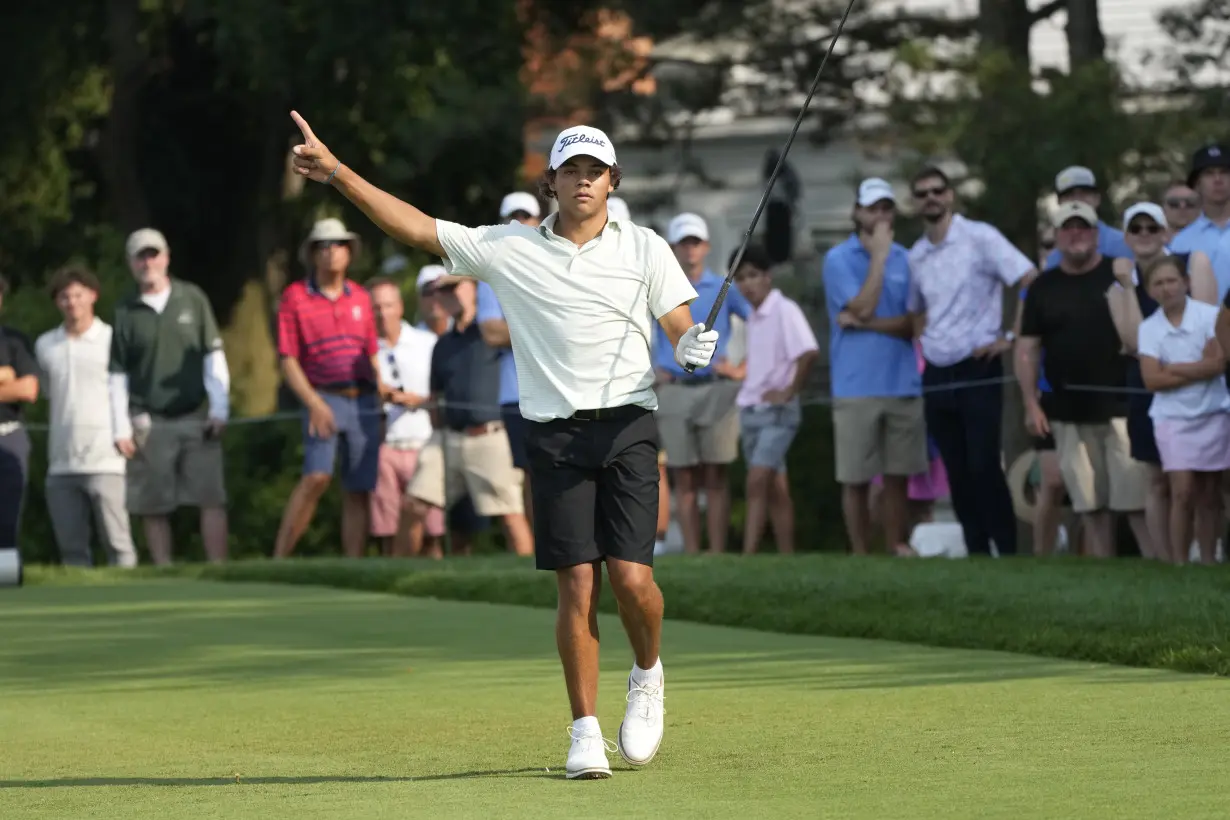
column 696, row 347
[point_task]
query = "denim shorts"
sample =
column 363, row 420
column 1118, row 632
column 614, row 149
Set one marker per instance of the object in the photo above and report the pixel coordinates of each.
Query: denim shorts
column 359, row 424
column 767, row 432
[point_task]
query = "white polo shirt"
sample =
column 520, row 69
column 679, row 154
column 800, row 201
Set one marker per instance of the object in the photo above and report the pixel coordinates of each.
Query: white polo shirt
column 75, row 381
column 1158, row 339
column 959, row 283
column 581, row 319
column 406, row 366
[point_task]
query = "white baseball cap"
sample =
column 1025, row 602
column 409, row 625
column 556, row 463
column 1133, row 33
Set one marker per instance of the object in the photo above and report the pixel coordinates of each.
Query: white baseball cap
column 429, row 274
column 519, row 201
column 1075, row 176
column 617, row 210
column 873, row 190
column 1149, row 209
column 685, row 225
column 145, row 239
column 1074, row 210
column 581, row 140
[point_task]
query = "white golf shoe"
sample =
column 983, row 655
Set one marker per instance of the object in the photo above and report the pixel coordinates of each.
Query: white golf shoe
column 587, row 755
column 640, row 734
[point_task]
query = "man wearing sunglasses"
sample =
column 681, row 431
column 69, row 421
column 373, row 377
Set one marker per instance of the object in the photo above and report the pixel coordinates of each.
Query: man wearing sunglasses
column 958, row 271
column 1181, row 205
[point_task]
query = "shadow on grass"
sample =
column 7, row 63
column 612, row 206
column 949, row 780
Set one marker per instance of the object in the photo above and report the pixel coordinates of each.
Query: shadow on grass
column 110, row 782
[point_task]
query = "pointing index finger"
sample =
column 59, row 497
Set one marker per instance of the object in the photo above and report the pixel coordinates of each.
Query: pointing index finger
column 304, row 128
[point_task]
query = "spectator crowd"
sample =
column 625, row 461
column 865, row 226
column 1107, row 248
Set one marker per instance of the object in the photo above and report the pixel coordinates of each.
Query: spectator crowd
column 1119, row 349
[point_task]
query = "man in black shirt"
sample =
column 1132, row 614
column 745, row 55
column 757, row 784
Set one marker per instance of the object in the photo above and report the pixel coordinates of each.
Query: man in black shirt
column 1066, row 316
column 18, row 386
column 469, row 450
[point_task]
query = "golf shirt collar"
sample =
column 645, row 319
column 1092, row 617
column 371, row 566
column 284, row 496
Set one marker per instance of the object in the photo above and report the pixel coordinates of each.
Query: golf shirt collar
column 314, row 290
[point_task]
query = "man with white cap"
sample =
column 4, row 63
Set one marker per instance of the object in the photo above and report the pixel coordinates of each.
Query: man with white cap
column 169, row 388
column 1077, row 183
column 328, row 343
column 581, row 293
column 697, row 416
column 878, row 426
column 521, row 206
column 1066, row 316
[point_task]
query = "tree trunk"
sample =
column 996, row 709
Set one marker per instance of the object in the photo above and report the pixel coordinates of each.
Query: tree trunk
column 119, row 147
column 1086, row 42
column 1004, row 26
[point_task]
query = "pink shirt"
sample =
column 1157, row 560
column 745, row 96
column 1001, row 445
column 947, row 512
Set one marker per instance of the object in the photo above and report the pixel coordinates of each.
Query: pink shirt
column 777, row 335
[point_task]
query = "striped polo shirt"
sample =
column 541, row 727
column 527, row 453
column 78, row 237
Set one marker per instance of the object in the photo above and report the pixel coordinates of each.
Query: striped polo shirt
column 334, row 340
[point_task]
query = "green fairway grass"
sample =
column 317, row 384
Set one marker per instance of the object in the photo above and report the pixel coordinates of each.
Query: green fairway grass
column 1133, row 613
column 177, row 699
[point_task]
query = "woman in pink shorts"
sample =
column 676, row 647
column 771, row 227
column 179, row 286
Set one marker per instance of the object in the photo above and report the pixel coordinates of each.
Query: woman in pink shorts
column 1183, row 364
column 924, row 489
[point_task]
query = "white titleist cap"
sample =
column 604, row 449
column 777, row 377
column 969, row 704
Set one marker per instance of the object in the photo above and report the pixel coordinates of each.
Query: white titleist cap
column 581, row 140
column 873, row 190
column 519, row 201
column 617, row 210
column 686, row 225
column 1148, row 209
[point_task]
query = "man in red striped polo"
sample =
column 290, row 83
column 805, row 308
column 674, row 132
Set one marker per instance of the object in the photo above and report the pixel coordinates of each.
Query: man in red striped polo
column 328, row 344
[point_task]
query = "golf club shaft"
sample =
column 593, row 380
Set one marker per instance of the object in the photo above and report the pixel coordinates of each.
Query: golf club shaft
column 777, row 169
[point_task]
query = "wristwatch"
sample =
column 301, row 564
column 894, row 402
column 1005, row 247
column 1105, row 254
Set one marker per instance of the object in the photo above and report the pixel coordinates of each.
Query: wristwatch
column 1009, row 336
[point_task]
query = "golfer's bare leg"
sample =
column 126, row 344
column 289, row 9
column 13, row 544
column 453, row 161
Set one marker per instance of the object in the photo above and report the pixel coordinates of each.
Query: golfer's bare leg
column 640, row 608
column 576, row 634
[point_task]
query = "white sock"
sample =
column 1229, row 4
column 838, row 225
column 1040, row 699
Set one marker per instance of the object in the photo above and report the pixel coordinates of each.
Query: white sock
column 584, row 726
column 651, row 675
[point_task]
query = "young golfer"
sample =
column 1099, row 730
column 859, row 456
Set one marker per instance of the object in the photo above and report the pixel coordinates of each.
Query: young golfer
column 580, row 293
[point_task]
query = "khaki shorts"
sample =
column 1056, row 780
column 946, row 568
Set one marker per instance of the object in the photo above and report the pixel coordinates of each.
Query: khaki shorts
column 480, row 466
column 175, row 466
column 1098, row 470
column 699, row 424
column 879, row 436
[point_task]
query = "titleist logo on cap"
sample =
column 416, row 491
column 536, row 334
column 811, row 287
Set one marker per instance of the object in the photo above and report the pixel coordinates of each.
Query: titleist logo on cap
column 575, row 138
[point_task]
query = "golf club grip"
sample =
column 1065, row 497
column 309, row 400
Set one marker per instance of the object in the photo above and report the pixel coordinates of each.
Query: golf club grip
column 713, row 315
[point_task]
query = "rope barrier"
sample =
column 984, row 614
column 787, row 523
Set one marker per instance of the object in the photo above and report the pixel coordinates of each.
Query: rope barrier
column 805, row 400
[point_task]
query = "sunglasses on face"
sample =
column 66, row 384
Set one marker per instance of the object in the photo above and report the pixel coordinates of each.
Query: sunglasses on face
column 331, row 243
column 935, row 190
column 1181, row 202
column 1150, row 228
column 1047, row 244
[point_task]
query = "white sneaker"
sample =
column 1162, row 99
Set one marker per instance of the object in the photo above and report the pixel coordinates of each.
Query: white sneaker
column 587, row 755
column 640, row 734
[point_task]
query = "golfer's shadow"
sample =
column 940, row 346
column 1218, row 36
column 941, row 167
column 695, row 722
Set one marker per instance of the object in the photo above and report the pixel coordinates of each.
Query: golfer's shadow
column 240, row 780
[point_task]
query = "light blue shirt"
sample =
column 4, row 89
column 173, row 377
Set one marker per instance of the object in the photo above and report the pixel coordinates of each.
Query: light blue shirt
column 1110, row 243
column 864, row 363
column 489, row 309
column 707, row 288
column 1203, row 235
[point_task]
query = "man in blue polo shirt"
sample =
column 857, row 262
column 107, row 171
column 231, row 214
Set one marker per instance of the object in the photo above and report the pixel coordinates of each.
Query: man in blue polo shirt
column 697, row 417
column 1078, row 184
column 1210, row 233
column 878, row 423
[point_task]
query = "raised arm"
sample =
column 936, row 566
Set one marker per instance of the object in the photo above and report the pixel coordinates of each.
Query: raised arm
column 1123, row 305
column 1201, row 278
column 400, row 220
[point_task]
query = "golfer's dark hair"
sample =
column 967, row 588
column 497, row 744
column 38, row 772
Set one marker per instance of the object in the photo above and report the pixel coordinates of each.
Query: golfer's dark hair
column 1164, row 261
column 4, row 285
column 72, row 275
column 755, row 256
column 929, row 171
column 548, row 177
